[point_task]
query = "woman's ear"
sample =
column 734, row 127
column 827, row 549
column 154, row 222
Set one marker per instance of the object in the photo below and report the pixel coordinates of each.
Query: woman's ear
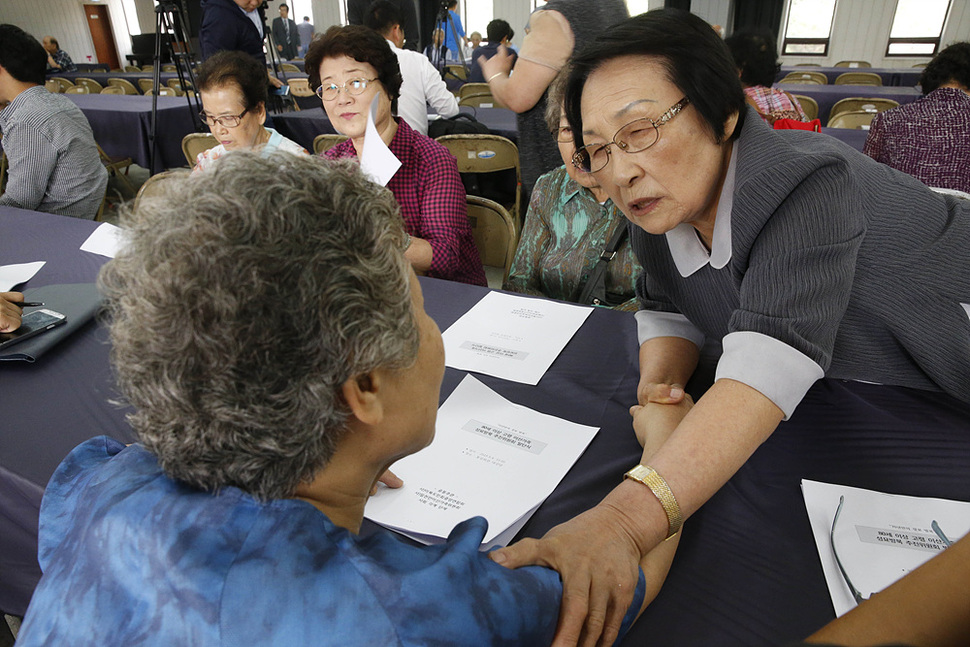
column 261, row 111
column 362, row 393
column 729, row 125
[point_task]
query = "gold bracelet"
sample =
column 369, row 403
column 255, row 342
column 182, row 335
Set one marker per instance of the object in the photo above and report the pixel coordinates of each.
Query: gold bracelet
column 497, row 74
column 649, row 477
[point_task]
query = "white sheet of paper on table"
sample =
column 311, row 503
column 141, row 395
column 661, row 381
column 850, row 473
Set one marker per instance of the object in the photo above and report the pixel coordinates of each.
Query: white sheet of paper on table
column 490, row 458
column 880, row 537
column 377, row 161
column 106, row 240
column 11, row 275
column 512, row 337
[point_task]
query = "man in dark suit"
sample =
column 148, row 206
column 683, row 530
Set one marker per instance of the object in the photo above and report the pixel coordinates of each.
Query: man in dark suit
column 356, row 9
column 285, row 35
column 233, row 25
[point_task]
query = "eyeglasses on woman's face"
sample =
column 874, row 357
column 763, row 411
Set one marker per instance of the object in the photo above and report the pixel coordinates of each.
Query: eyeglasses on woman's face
column 634, row 137
column 226, row 121
column 329, row 91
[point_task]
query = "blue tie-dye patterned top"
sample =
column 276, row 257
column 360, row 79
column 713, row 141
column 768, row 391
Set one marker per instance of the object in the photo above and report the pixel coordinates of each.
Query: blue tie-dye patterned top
column 132, row 557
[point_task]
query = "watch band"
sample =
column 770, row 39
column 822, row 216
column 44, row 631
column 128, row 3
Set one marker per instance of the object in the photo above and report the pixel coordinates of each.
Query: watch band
column 649, row 477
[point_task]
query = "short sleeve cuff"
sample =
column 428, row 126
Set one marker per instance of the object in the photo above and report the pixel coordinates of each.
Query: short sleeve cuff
column 776, row 370
column 654, row 323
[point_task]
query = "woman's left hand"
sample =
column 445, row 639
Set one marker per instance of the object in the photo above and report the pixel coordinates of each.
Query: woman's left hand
column 388, row 478
column 500, row 63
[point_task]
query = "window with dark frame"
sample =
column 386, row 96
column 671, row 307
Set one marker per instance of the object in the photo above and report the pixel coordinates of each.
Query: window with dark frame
column 809, row 27
column 917, row 27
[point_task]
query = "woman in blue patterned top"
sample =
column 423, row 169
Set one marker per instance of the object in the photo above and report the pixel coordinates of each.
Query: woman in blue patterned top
column 272, row 340
column 569, row 223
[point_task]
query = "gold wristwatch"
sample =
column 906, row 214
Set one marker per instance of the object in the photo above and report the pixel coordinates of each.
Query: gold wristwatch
column 649, row 477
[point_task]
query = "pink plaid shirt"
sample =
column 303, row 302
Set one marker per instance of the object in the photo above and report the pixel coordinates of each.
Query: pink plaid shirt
column 432, row 198
column 928, row 139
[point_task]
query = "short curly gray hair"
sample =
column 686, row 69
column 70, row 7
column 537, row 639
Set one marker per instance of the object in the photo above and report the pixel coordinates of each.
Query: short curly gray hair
column 246, row 297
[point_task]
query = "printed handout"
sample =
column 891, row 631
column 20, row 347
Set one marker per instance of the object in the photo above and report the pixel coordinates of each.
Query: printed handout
column 512, row 337
column 490, row 458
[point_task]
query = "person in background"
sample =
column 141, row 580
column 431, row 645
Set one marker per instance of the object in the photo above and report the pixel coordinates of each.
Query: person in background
column 499, row 34
column 435, row 51
column 265, row 415
column 422, row 86
column 356, row 9
column 10, row 310
column 452, row 44
column 756, row 57
column 57, row 59
column 305, row 29
column 557, row 29
column 232, row 87
column 285, row 34
column 569, row 223
column 54, row 163
column 351, row 66
column 930, row 138
column 234, row 25
column 474, row 40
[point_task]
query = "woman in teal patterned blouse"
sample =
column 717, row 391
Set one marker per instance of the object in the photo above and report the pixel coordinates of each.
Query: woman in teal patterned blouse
column 569, row 222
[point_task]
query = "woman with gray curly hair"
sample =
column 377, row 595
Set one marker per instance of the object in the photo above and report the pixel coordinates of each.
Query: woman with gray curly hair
column 271, row 337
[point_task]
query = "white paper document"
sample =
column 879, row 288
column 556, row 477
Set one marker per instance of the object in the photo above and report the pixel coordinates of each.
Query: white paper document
column 879, row 537
column 105, row 240
column 377, row 161
column 512, row 337
column 490, row 458
column 11, row 275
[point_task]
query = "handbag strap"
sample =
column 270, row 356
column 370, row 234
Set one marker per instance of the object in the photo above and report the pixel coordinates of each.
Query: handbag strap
column 594, row 290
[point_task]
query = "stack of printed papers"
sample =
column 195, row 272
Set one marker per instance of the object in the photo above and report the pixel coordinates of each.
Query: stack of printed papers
column 489, row 458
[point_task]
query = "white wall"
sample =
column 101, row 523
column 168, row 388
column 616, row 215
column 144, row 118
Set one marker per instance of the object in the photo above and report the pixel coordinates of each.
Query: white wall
column 65, row 21
column 861, row 31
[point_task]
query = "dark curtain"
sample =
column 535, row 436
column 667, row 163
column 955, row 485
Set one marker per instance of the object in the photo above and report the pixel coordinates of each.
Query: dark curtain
column 677, row 4
column 758, row 15
column 427, row 12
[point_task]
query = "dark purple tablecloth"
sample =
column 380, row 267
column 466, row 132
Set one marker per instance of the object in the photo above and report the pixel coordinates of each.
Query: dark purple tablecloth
column 304, row 125
column 905, row 76
column 827, row 95
column 747, row 572
column 854, row 138
column 122, row 124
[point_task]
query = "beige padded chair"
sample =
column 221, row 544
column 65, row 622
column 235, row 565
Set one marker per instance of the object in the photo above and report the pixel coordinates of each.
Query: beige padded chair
column 300, row 88
column 487, row 154
column 480, row 101
column 807, row 78
column 163, row 92
column 147, row 68
column 854, row 119
column 853, row 64
column 64, row 83
column 920, row 64
column 865, row 104
column 116, row 164
column 133, row 69
column 168, row 67
column 53, row 86
column 124, row 84
column 858, row 78
column 456, row 72
column 195, row 143
column 145, row 85
column 79, row 89
column 289, row 67
column 93, row 86
column 176, row 85
column 470, row 89
column 326, row 142
column 495, row 236
column 113, row 89
column 156, row 184
column 808, row 104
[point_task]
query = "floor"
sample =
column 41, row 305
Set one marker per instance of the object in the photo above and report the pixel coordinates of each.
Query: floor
column 119, row 193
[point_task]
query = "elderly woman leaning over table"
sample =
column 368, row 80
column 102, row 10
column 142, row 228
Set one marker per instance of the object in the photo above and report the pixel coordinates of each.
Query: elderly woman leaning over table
column 232, row 86
column 802, row 256
column 573, row 233
column 348, row 68
column 278, row 357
